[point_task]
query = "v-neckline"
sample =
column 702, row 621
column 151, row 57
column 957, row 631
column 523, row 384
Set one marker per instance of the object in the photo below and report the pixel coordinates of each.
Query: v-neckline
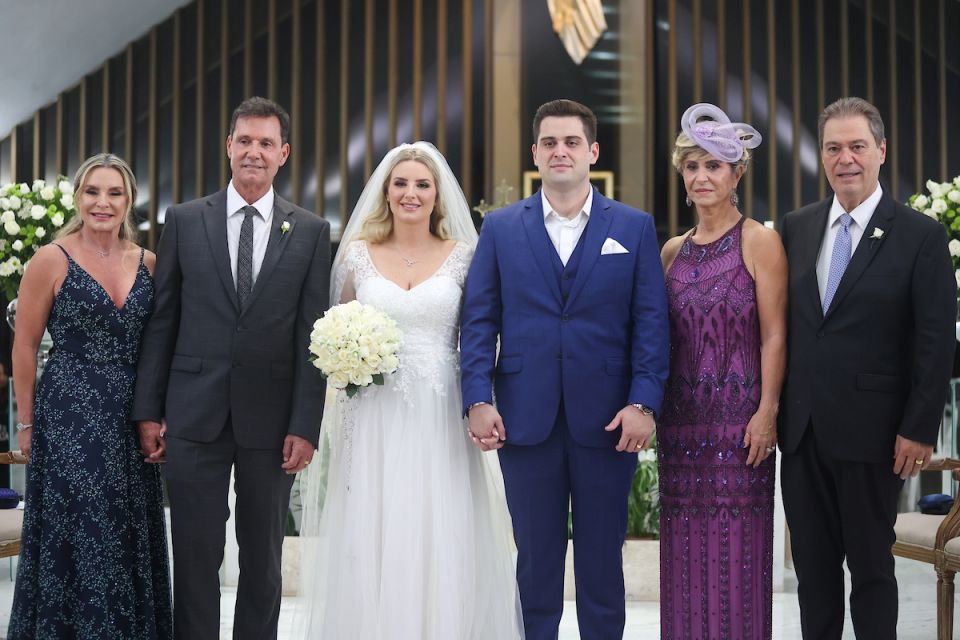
column 366, row 248
column 104, row 289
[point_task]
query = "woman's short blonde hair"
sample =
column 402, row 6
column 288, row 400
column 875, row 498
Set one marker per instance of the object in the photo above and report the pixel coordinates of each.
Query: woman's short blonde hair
column 128, row 230
column 684, row 148
column 379, row 225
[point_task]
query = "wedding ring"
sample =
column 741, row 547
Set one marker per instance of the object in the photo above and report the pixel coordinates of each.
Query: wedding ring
column 918, row 461
column 639, row 446
column 771, row 449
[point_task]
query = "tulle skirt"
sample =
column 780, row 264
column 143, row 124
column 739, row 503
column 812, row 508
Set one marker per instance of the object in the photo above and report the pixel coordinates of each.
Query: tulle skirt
column 406, row 530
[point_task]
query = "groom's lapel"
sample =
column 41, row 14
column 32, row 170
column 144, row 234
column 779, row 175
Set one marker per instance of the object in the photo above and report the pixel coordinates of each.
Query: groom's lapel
column 543, row 251
column 594, row 235
column 215, row 224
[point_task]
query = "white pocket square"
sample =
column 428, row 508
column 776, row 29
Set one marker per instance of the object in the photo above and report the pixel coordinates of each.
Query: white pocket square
column 611, row 246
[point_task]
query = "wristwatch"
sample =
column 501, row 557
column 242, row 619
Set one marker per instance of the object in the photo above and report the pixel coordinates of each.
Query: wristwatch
column 476, row 404
column 644, row 409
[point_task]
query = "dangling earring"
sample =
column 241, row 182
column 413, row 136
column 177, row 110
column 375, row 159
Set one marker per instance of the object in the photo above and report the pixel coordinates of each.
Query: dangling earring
column 734, row 198
column 688, row 201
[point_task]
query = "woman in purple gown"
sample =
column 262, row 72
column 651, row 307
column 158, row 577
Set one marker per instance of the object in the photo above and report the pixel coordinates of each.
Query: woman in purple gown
column 727, row 294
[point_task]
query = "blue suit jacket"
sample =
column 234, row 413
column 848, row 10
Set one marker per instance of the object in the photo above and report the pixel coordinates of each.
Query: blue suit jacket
column 605, row 347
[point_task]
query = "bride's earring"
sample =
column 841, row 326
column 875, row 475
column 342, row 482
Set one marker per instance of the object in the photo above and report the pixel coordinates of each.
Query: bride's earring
column 689, row 202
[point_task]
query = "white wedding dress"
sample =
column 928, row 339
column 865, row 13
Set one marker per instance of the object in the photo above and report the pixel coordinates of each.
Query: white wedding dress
column 414, row 535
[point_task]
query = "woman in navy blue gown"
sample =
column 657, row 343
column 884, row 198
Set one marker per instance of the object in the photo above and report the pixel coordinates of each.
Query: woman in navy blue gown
column 93, row 563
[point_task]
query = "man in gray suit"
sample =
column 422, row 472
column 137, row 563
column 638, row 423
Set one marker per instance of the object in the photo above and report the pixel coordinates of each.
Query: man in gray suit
column 224, row 380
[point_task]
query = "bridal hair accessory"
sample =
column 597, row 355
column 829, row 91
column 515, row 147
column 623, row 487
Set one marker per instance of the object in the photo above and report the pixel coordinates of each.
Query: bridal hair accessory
column 711, row 130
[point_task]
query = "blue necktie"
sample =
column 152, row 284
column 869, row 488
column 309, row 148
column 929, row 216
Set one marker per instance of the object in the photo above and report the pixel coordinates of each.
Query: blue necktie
column 839, row 260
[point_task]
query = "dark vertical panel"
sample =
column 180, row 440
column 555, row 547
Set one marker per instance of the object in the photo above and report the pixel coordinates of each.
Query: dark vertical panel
column 188, row 156
column 821, row 89
column 248, row 48
column 94, row 114
column 296, row 102
column 48, row 117
column 36, row 154
column 673, row 117
column 844, row 49
column 105, row 140
column 6, row 167
column 810, row 97
column 82, row 122
column 795, row 62
column 118, row 101
column 369, row 40
column 320, row 110
column 466, row 175
column 952, row 57
column 918, row 90
column 855, row 47
column 23, row 152
column 417, row 68
column 772, row 133
column 428, row 71
column 129, row 110
column 282, row 88
column 71, row 129
column 344, row 112
column 176, row 126
column 696, row 42
column 441, row 57
column 60, row 143
column 868, row 46
column 931, row 135
column 721, row 54
column 942, row 83
column 892, row 136
column 272, row 68
column 153, row 93
column 745, row 15
column 392, row 72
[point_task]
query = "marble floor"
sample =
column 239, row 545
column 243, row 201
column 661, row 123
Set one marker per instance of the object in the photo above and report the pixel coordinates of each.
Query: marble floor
column 917, row 609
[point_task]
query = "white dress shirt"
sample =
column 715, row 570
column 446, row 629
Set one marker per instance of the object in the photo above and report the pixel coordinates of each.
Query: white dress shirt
column 564, row 233
column 261, row 227
column 861, row 219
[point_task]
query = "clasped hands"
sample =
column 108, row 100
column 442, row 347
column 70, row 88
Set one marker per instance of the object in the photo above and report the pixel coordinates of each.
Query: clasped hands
column 488, row 433
column 297, row 451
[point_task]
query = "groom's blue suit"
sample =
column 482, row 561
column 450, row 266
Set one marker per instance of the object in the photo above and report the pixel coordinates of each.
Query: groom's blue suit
column 578, row 343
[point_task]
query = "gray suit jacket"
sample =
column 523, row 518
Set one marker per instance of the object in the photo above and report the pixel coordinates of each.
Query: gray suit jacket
column 203, row 358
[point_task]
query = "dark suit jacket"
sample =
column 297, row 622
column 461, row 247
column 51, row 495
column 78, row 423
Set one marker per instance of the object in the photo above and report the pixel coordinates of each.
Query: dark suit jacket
column 605, row 346
column 877, row 365
column 204, row 359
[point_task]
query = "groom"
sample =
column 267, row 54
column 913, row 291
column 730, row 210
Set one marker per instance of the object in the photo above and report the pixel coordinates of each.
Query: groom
column 571, row 284
column 241, row 276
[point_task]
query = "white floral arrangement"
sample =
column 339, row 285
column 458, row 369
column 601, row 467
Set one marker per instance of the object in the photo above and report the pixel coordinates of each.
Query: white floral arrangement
column 354, row 345
column 29, row 217
column 943, row 205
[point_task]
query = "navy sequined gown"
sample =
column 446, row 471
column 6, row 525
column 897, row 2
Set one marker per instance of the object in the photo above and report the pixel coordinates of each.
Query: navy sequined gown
column 716, row 518
column 93, row 563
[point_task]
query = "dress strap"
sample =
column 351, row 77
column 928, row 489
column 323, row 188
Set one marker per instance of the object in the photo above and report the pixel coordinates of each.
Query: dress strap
column 69, row 257
column 142, row 251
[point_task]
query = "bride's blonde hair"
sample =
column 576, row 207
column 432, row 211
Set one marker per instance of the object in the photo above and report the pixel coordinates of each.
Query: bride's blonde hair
column 379, row 225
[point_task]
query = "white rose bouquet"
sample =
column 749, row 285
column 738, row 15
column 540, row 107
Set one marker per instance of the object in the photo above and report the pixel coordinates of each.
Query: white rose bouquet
column 354, row 345
column 29, row 216
column 942, row 203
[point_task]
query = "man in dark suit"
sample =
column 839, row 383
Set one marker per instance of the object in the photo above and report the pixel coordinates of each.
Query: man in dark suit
column 572, row 285
column 241, row 276
column 871, row 341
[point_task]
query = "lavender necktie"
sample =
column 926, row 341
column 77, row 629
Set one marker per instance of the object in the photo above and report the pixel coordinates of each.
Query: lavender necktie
column 245, row 255
column 839, row 260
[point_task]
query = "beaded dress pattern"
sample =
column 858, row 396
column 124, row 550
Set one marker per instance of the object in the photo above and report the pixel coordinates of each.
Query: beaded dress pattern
column 93, row 563
column 716, row 520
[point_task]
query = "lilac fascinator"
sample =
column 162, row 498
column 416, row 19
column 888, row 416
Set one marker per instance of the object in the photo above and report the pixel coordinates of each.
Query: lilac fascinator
column 711, row 130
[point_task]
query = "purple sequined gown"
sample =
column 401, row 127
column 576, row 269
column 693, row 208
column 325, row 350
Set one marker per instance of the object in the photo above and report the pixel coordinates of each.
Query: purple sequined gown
column 716, row 520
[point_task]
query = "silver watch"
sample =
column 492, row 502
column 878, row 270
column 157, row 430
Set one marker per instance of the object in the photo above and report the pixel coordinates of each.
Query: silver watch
column 644, row 409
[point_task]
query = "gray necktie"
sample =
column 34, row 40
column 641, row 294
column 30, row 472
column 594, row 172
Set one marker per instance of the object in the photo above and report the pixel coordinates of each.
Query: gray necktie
column 839, row 260
column 245, row 255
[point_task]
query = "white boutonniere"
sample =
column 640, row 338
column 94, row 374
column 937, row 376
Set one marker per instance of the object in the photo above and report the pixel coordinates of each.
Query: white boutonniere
column 286, row 227
column 877, row 234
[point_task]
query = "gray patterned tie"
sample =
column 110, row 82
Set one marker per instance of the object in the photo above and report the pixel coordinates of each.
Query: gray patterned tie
column 245, row 255
column 839, row 260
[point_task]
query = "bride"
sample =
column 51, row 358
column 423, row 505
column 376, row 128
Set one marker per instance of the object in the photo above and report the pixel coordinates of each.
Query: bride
column 405, row 525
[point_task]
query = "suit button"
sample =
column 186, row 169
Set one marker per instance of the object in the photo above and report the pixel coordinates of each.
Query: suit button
column 560, row 356
column 567, row 276
column 564, row 317
column 820, row 334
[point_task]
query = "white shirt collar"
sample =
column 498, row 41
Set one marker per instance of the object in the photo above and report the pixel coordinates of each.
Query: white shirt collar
column 235, row 202
column 861, row 214
column 548, row 209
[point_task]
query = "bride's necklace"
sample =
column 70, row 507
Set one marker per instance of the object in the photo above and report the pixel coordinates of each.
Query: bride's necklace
column 407, row 261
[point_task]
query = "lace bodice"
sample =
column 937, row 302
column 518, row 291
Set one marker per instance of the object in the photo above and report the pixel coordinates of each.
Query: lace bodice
column 428, row 314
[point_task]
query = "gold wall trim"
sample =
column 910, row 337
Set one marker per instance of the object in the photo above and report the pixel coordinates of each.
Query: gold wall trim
column 36, row 168
column 917, row 99
column 392, row 75
column 772, row 214
column 721, row 54
column 417, row 69
column 942, row 73
column 247, row 47
column 369, row 40
column 466, row 177
column 176, row 128
column 152, row 143
column 199, row 103
column 84, row 127
column 296, row 112
column 14, row 153
column 673, row 183
column 224, row 109
column 844, row 51
column 272, row 69
column 892, row 60
column 320, row 109
column 128, row 120
column 59, row 139
column 442, row 75
column 697, row 51
column 868, row 44
column 344, row 109
column 821, row 94
column 795, row 77
column 747, row 97
column 105, row 110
